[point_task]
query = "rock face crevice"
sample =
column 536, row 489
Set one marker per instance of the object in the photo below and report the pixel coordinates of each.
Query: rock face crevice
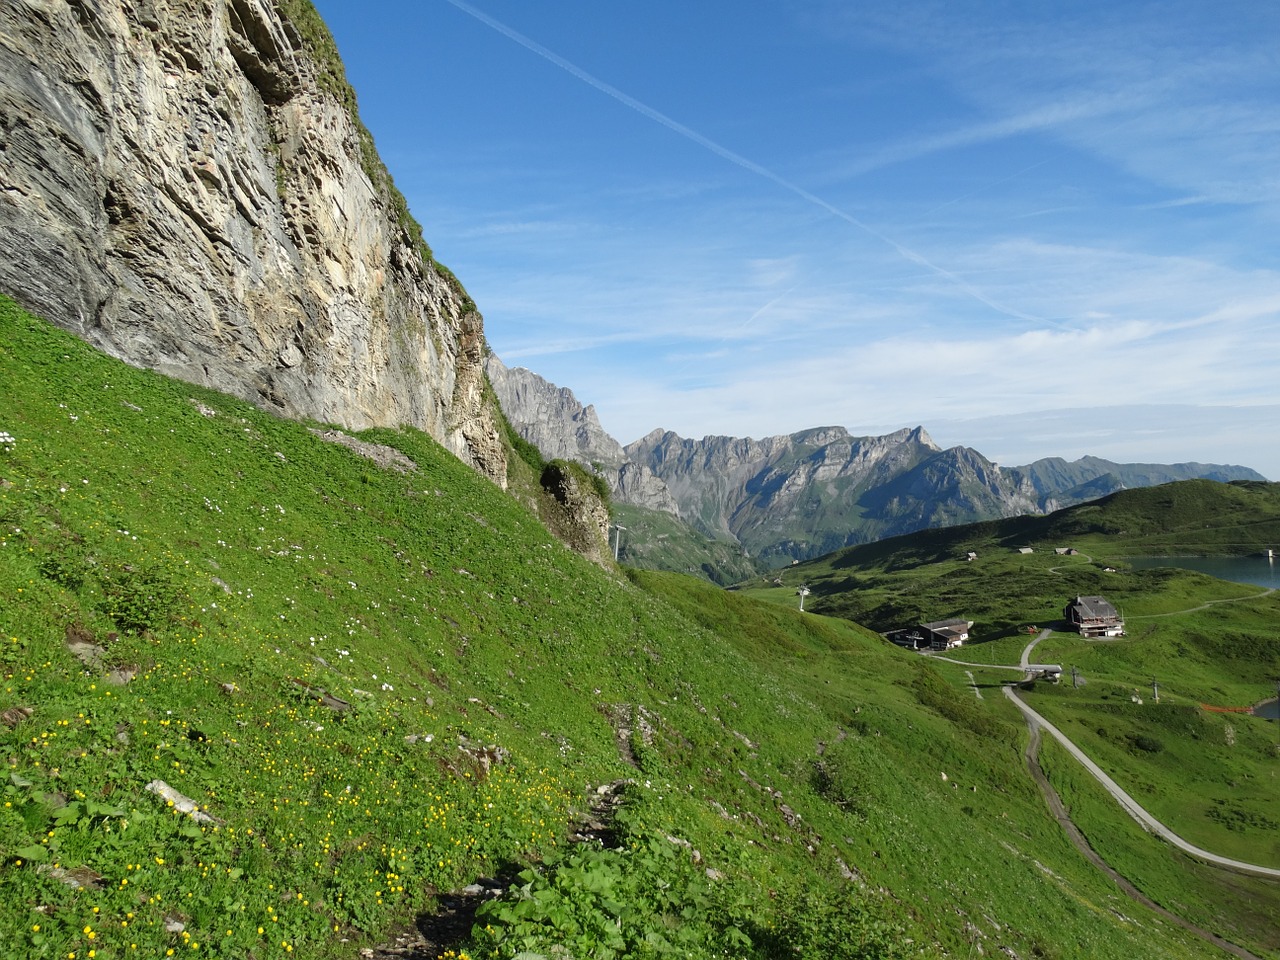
column 183, row 184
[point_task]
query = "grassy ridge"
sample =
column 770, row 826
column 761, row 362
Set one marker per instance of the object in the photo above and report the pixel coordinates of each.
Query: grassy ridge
column 381, row 685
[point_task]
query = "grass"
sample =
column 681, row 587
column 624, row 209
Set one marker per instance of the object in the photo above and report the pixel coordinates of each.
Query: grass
column 1237, row 907
column 381, row 685
column 656, row 540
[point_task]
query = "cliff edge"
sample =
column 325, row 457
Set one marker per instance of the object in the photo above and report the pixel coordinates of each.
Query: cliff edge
column 186, row 185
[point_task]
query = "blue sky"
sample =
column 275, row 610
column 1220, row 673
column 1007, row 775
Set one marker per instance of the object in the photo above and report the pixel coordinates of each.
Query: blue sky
column 1034, row 229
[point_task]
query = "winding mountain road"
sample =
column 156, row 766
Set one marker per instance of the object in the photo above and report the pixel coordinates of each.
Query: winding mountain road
column 1036, row 722
column 1063, row 816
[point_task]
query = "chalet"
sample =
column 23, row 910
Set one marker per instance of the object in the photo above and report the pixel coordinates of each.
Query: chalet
column 1025, row 550
column 912, row 638
column 940, row 635
column 945, row 634
column 1093, row 617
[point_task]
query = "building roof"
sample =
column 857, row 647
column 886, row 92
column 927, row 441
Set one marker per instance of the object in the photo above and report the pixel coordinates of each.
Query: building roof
column 1093, row 608
column 947, row 625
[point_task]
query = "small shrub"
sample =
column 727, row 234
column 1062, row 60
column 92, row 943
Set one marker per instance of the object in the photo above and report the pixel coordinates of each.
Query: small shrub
column 138, row 598
column 648, row 899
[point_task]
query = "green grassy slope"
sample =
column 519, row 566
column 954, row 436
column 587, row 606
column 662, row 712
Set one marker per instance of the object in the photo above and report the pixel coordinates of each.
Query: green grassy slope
column 654, row 540
column 382, row 685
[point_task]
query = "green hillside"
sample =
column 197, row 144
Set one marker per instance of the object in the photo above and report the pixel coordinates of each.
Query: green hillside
column 381, row 679
column 929, row 576
column 656, row 540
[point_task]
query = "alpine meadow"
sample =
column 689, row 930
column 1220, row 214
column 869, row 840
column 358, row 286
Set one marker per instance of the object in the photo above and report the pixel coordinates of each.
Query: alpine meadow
column 307, row 650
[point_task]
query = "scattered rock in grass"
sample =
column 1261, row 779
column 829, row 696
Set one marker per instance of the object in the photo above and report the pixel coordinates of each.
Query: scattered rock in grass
column 82, row 645
column 596, row 826
column 205, row 411
column 324, row 696
column 483, row 756
column 180, row 802
column 15, row 715
column 384, row 456
column 77, row 878
column 119, row 676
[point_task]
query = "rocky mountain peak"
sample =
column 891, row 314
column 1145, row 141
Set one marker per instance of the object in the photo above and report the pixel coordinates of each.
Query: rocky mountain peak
column 552, row 419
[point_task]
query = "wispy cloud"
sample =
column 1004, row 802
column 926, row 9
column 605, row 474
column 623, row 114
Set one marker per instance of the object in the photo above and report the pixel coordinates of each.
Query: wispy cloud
column 1183, row 95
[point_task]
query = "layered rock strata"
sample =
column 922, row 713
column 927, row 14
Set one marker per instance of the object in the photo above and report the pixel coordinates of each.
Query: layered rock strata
column 184, row 184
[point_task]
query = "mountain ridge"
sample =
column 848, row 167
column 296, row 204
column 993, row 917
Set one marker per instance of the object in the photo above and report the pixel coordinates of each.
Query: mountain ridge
column 797, row 496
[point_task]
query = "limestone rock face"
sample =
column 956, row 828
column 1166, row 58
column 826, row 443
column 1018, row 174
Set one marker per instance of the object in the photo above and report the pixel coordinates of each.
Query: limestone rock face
column 183, row 184
column 551, row 417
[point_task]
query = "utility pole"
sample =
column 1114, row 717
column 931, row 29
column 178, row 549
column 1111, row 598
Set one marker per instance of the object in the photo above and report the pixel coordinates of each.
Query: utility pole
column 617, row 540
column 803, row 592
column 1155, row 690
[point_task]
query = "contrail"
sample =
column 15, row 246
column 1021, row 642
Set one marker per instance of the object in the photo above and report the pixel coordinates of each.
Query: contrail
column 723, row 152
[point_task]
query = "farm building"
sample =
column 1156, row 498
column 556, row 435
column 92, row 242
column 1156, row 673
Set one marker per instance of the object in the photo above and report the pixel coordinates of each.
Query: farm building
column 940, row 635
column 1093, row 617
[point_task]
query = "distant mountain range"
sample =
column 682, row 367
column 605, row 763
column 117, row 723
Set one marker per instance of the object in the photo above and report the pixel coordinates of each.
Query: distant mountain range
column 806, row 494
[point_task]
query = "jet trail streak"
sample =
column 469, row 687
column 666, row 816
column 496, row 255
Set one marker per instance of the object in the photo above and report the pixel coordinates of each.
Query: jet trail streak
column 723, row 152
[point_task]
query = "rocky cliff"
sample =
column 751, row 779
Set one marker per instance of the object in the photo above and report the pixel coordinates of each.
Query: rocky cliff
column 186, row 185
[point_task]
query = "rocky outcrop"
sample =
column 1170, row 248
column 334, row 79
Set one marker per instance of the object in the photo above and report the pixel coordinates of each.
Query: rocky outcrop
column 184, row 184
column 552, row 419
column 582, row 520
